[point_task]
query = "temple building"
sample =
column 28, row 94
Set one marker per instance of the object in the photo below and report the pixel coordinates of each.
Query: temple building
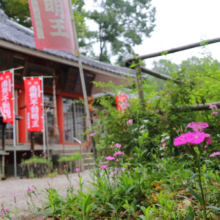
column 17, row 49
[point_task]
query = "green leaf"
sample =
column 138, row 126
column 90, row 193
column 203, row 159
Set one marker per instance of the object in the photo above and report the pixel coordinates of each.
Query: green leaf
column 213, row 208
column 193, row 177
column 208, row 177
column 195, row 195
column 190, row 171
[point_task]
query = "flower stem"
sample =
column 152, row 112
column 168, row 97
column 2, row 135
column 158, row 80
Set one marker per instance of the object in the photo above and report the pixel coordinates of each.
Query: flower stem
column 200, row 184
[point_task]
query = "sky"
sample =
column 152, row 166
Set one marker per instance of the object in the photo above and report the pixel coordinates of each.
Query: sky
column 181, row 22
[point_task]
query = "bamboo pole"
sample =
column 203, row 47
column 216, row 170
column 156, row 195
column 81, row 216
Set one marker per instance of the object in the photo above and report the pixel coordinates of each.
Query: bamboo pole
column 173, row 50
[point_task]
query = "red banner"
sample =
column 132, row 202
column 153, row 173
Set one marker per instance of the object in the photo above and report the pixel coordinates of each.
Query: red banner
column 52, row 24
column 122, row 102
column 34, row 108
column 6, row 97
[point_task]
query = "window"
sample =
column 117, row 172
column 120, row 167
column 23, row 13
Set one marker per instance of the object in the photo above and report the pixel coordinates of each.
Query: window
column 74, row 122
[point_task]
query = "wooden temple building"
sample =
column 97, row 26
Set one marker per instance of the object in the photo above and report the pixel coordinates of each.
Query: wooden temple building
column 17, row 49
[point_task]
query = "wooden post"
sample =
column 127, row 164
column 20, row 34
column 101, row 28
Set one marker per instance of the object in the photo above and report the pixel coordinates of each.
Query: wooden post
column 139, row 85
column 32, row 143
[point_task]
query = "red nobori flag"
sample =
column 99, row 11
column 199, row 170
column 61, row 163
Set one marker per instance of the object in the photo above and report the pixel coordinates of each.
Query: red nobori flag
column 122, row 102
column 6, row 97
column 33, row 96
column 52, row 24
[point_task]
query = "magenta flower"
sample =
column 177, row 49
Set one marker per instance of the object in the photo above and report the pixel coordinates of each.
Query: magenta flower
column 182, row 139
column 77, row 170
column 92, row 134
column 206, row 146
column 172, row 157
column 110, row 158
column 186, row 152
column 113, row 211
column 214, row 113
column 104, row 167
column 130, row 122
column 130, row 158
column 197, row 126
column 40, row 155
column 123, row 168
column 6, row 210
column 14, row 196
column 118, row 145
column 88, row 143
column 134, row 168
column 197, row 138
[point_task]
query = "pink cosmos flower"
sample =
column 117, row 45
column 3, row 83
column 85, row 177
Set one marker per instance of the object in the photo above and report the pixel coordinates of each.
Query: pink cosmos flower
column 118, row 145
column 123, row 168
column 110, row 158
column 6, row 210
column 172, row 157
column 134, row 168
column 2, row 214
column 113, row 211
column 14, row 196
column 77, row 170
column 92, row 134
column 130, row 158
column 130, row 122
column 104, row 167
column 206, row 146
column 88, row 143
column 214, row 113
column 117, row 160
column 197, row 126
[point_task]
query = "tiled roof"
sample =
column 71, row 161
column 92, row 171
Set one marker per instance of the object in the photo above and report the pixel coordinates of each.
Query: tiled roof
column 19, row 35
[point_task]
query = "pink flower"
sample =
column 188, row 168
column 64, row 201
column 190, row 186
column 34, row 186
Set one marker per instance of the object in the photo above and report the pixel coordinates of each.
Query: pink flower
column 123, row 168
column 134, row 168
column 187, row 152
column 118, row 153
column 113, row 211
column 130, row 158
column 214, row 154
column 110, row 158
column 117, row 160
column 104, row 167
column 182, row 139
column 88, row 143
column 92, row 134
column 211, row 106
column 170, row 179
column 14, row 196
column 197, row 138
column 118, row 145
column 214, row 113
column 130, row 122
column 6, row 210
column 77, row 170
column 40, row 155
column 31, row 150
column 197, row 126
column 172, row 157
column 206, row 146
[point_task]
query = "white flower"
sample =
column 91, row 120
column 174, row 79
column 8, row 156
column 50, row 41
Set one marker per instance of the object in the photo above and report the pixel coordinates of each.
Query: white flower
column 144, row 131
column 163, row 135
column 145, row 121
column 162, row 154
column 168, row 137
column 184, row 182
column 162, row 148
column 142, row 126
column 134, row 130
column 163, row 140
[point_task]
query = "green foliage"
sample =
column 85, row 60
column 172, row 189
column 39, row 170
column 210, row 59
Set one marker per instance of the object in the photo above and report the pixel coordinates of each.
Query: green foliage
column 72, row 157
column 121, row 25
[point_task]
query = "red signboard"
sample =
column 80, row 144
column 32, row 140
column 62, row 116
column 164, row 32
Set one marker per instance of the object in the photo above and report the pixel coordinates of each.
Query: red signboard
column 6, row 97
column 52, row 24
column 34, row 108
column 122, row 102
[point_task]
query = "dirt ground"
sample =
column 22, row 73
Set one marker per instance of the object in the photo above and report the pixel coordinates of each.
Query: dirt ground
column 20, row 186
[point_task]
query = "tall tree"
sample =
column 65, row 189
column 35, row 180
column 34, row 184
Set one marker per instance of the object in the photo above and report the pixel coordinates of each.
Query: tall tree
column 122, row 24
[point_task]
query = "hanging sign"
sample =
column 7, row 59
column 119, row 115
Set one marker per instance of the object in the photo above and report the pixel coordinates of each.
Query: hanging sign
column 52, row 25
column 34, row 105
column 6, row 97
column 122, row 102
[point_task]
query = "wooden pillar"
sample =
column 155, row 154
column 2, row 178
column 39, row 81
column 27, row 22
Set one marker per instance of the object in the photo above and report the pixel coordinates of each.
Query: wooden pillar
column 60, row 117
column 22, row 134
